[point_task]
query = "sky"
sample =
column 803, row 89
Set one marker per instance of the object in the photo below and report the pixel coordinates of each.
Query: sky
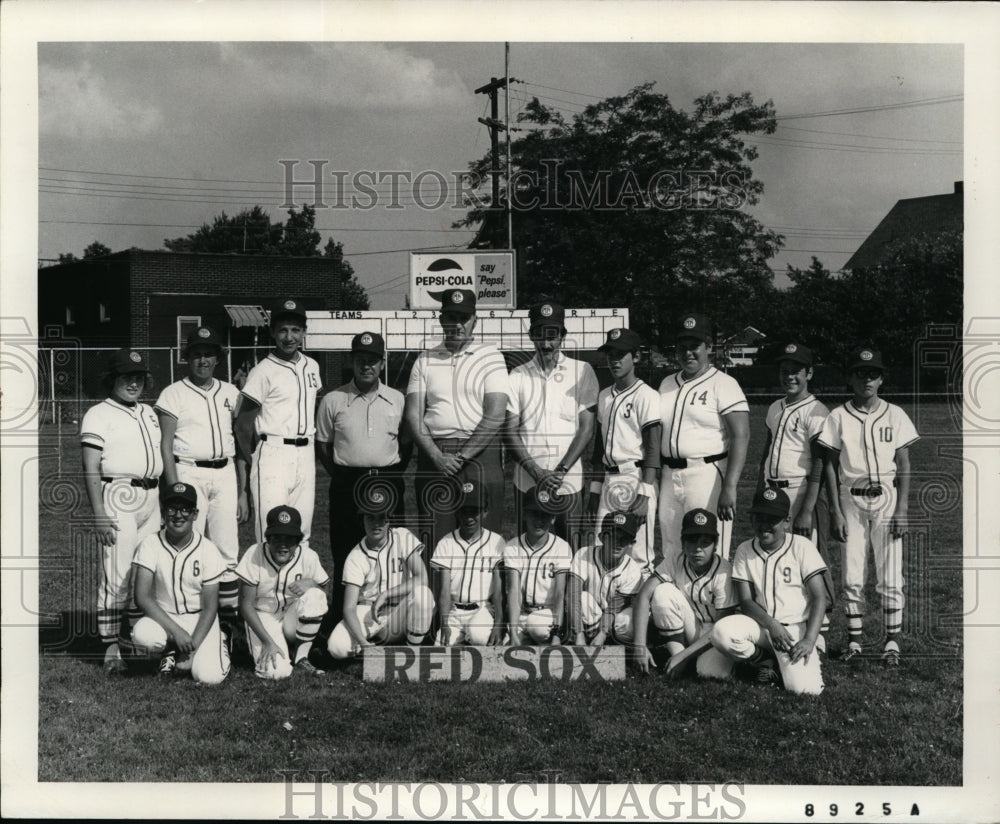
column 141, row 141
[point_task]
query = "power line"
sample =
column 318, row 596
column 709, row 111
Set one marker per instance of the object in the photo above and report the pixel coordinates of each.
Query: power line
column 198, row 226
column 929, row 101
column 870, row 136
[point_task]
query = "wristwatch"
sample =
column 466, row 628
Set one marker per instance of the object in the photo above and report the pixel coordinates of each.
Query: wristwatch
column 562, row 468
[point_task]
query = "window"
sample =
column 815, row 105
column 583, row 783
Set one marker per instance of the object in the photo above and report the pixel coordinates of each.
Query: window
column 105, row 312
column 186, row 324
column 70, row 320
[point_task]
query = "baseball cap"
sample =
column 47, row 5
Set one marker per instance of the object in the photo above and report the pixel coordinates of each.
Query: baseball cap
column 203, row 336
column 368, row 342
column 287, row 307
column 456, row 300
column 548, row 313
column 284, row 520
column 540, row 501
column 183, row 493
column 621, row 340
column 771, row 502
column 864, row 357
column 472, row 493
column 796, row 352
column 625, row 522
column 699, row 522
column 694, row 325
column 126, row 362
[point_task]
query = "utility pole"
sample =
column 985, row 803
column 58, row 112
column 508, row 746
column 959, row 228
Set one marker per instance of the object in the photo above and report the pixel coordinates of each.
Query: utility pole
column 495, row 126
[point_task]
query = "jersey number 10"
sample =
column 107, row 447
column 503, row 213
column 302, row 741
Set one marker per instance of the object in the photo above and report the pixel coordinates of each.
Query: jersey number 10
column 885, row 434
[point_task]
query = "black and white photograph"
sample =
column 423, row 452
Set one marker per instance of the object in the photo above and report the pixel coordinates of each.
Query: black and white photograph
column 500, row 410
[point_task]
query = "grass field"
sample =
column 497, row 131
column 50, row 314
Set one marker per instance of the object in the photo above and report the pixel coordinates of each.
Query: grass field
column 870, row 726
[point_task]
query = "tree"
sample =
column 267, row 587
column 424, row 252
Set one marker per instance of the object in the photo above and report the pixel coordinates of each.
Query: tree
column 635, row 203
column 354, row 294
column 95, row 250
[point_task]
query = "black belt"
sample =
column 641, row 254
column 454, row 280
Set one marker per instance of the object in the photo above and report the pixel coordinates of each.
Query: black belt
column 364, row 470
column 778, row 484
column 288, row 441
column 466, row 606
column 204, row 464
column 682, row 463
column 614, row 470
column 867, row 491
column 142, row 483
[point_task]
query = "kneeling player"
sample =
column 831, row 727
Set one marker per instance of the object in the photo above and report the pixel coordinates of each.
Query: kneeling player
column 177, row 573
column 283, row 597
column 602, row 580
column 535, row 567
column 466, row 563
column 686, row 595
column 386, row 597
column 779, row 582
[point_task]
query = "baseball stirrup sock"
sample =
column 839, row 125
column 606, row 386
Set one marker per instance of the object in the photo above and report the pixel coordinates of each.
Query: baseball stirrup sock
column 229, row 596
column 109, row 623
column 854, row 625
column 893, row 621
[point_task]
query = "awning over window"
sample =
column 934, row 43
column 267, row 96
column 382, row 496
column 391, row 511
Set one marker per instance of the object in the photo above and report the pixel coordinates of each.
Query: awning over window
column 246, row 315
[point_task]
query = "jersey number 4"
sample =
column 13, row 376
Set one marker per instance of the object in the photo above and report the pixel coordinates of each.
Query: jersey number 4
column 703, row 397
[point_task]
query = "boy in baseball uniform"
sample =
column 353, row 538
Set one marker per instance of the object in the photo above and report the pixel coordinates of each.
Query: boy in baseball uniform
column 283, row 597
column 386, row 597
column 466, row 568
column 685, row 597
column 196, row 417
column 602, row 580
column 536, row 564
column 626, row 449
column 275, row 421
column 870, row 441
column 779, row 583
column 177, row 574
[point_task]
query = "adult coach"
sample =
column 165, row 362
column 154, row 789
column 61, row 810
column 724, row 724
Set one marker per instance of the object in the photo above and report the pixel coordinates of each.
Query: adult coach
column 277, row 407
column 196, row 417
column 550, row 419
column 706, row 429
column 360, row 437
column 455, row 402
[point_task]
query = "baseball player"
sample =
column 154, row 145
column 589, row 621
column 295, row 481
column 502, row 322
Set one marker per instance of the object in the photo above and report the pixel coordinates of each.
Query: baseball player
column 386, row 597
column 686, row 596
column 120, row 446
column 779, row 583
column 535, row 567
column 466, row 566
column 283, row 597
column 550, row 419
column 177, row 574
column 196, row 417
column 602, row 580
column 706, row 429
column 277, row 407
column 627, row 445
column 870, row 443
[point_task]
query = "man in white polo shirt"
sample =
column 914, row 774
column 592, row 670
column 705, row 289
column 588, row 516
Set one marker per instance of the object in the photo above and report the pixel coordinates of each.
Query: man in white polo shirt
column 455, row 402
column 550, row 419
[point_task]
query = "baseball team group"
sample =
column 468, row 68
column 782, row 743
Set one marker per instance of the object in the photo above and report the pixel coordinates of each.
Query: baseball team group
column 169, row 485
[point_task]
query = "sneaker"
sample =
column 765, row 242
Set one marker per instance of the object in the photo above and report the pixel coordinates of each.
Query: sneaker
column 113, row 663
column 766, row 674
column 890, row 654
column 853, row 651
column 168, row 663
column 306, row 666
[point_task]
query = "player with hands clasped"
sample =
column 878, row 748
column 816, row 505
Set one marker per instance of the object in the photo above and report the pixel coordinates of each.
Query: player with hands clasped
column 283, row 597
column 386, row 597
column 683, row 600
column 869, row 440
column 535, row 567
column 177, row 574
column 779, row 583
column 466, row 569
column 627, row 445
column 602, row 580
column 120, row 447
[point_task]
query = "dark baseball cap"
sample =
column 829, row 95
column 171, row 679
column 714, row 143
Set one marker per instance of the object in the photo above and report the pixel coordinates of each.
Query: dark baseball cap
column 624, row 522
column 548, row 313
column 287, row 307
column 621, row 340
column 864, row 357
column 182, row 493
column 539, row 501
column 456, row 300
column 127, row 362
column 203, row 336
column 771, row 502
column 284, row 520
column 694, row 325
column 368, row 342
column 699, row 522
column 796, row 352
column 472, row 493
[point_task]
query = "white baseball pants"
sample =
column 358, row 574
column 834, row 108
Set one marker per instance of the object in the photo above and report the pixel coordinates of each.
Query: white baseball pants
column 283, row 475
column 697, row 486
column 618, row 493
column 672, row 614
column 296, row 626
column 408, row 620
column 210, row 662
column 592, row 613
column 470, row 626
column 740, row 635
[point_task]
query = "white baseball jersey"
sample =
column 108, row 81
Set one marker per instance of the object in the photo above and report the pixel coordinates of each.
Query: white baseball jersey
column 609, row 587
column 179, row 574
column 778, row 579
column 692, row 412
column 375, row 571
column 622, row 416
column 257, row 568
column 471, row 564
column 128, row 437
column 708, row 592
column 793, row 427
column 538, row 567
column 204, row 418
column 286, row 393
column 867, row 442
